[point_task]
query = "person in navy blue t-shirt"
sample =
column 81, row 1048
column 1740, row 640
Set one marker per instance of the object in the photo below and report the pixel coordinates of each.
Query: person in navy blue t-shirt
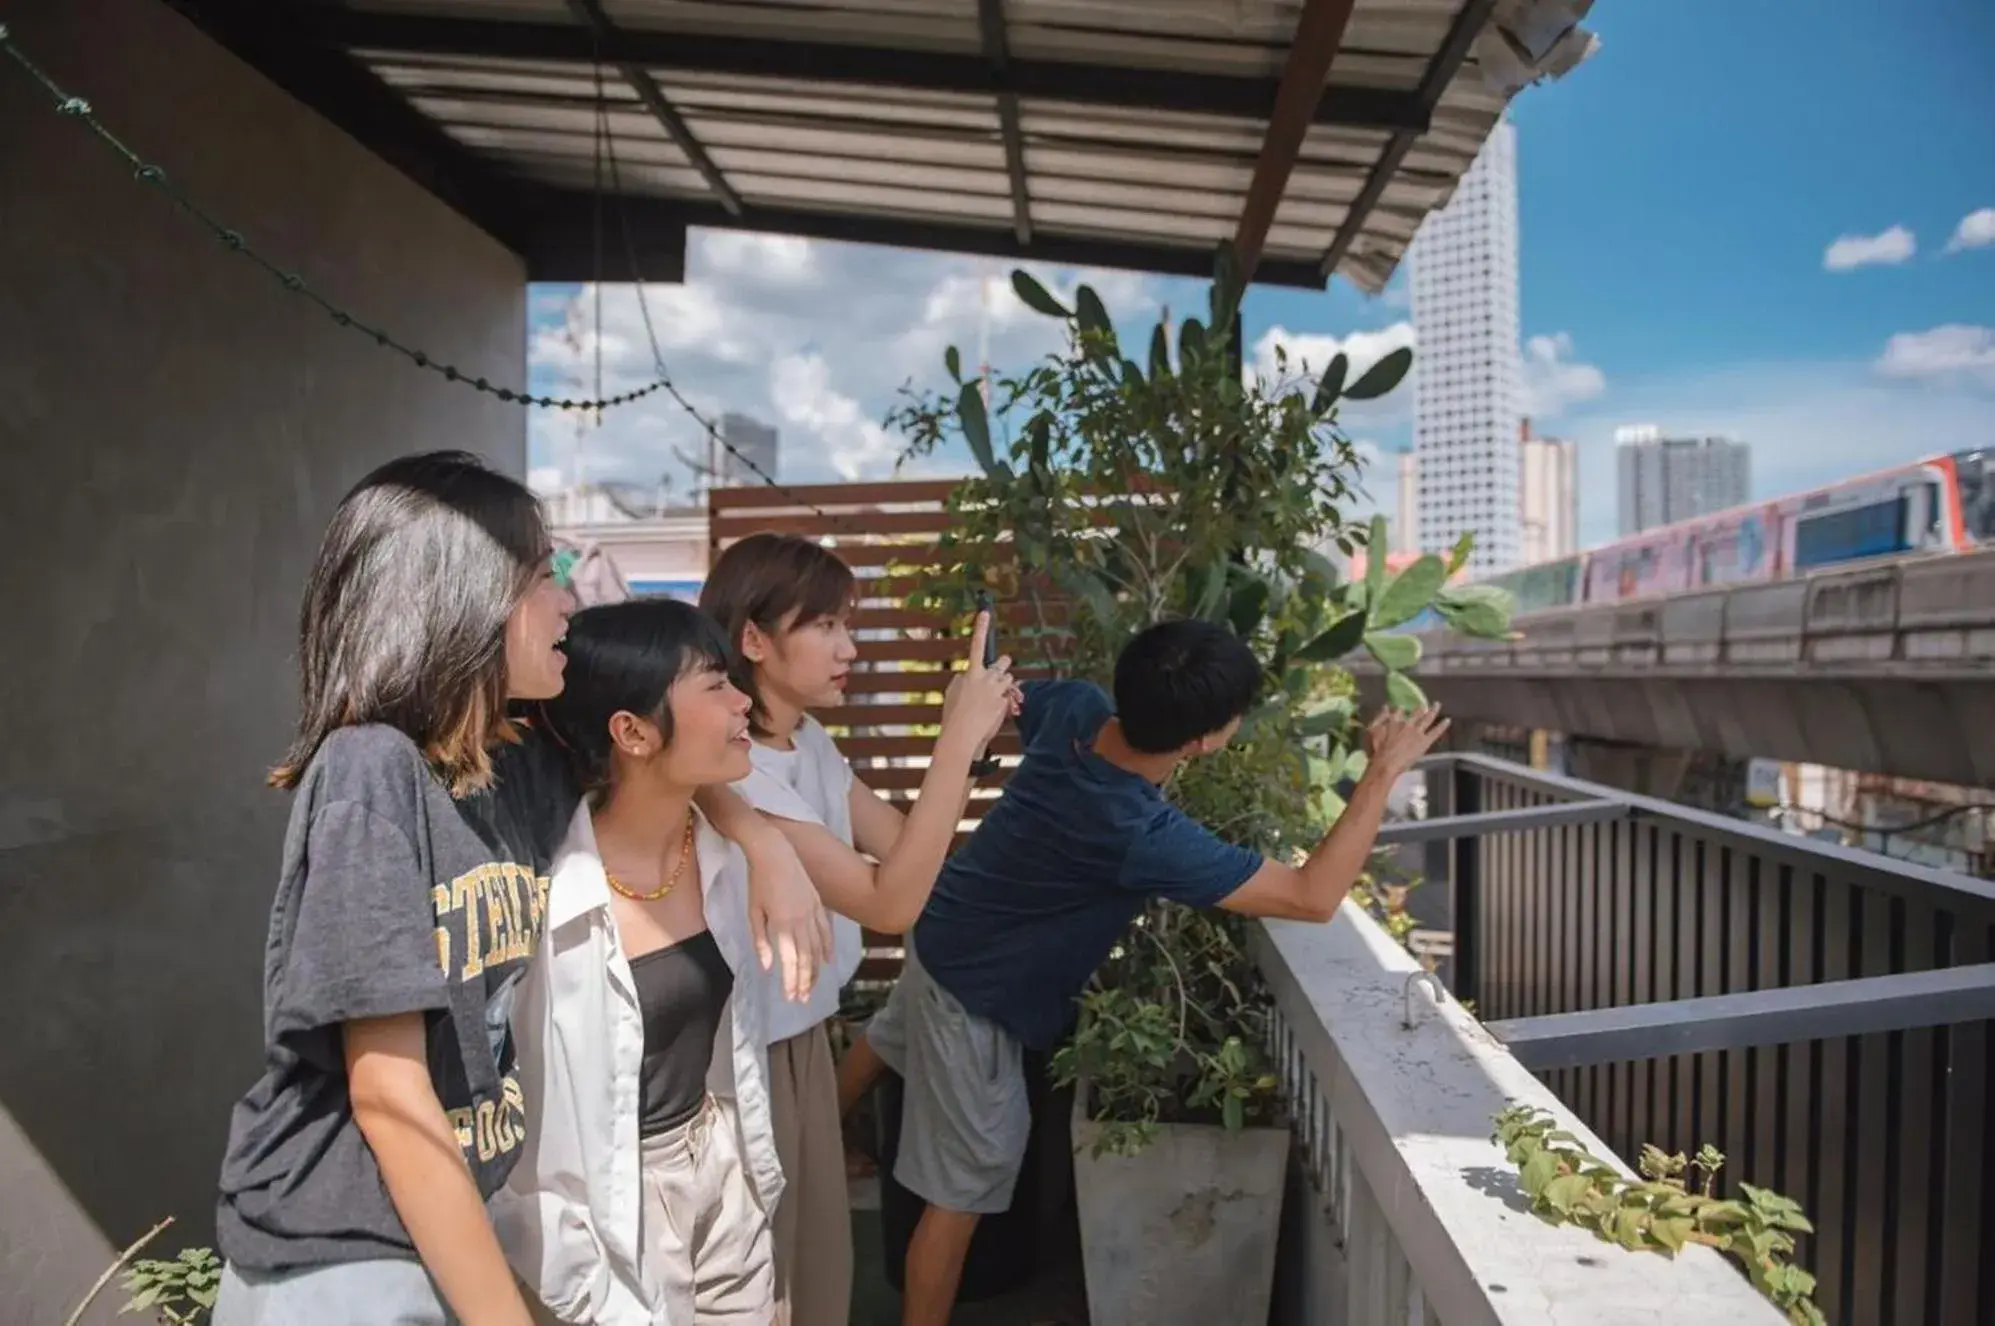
column 1022, row 915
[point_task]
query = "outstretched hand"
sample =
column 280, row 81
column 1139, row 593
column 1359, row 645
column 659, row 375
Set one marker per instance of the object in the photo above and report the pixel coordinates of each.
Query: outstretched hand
column 979, row 698
column 1396, row 739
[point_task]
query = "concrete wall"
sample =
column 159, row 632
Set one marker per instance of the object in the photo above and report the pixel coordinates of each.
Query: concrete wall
column 175, row 429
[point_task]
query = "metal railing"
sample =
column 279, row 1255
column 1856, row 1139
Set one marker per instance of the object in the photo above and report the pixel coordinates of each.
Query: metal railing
column 1400, row 1211
column 1821, row 1015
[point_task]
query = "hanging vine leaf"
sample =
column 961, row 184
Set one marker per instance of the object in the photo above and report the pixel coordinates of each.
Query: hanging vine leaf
column 1394, row 652
column 1039, row 441
column 1086, row 586
column 1482, row 611
column 952, row 359
column 1191, row 339
column 1322, row 573
column 1249, row 605
column 1376, row 545
column 976, row 425
column 1344, row 635
column 1409, row 592
column 1223, row 300
column 1331, row 385
column 1097, row 331
column 1213, row 593
column 1035, row 296
column 1402, row 692
column 1160, row 353
column 1325, row 721
column 1458, row 557
column 1383, row 376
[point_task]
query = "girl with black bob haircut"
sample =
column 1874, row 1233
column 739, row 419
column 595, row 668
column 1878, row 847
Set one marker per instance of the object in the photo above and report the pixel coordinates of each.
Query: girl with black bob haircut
column 408, row 905
column 644, row 1190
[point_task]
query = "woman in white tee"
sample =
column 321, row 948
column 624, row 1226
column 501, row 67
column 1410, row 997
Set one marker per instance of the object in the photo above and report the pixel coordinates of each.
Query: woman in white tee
column 785, row 603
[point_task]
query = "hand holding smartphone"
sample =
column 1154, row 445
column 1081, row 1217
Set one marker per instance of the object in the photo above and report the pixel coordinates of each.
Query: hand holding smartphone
column 986, row 763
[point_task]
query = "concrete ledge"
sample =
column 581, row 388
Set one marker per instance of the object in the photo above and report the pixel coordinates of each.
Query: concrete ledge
column 1416, row 1108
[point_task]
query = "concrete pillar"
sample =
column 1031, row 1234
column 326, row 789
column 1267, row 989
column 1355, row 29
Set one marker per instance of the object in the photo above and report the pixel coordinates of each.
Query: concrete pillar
column 1643, row 770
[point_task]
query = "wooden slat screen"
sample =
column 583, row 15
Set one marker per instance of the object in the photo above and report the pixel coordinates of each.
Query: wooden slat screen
column 887, row 532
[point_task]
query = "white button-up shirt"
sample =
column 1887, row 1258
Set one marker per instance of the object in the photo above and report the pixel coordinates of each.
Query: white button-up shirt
column 568, row 1217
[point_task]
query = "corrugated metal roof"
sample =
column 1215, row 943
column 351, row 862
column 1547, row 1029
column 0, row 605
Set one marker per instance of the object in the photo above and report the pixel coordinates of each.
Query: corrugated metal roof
column 1138, row 123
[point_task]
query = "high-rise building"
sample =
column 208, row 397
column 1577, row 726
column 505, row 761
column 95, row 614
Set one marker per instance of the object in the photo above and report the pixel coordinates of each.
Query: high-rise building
column 751, row 438
column 1666, row 479
column 1549, row 483
column 1406, row 518
column 1467, row 389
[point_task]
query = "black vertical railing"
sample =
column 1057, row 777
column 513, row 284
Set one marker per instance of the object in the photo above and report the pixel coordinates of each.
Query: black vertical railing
column 1885, row 1138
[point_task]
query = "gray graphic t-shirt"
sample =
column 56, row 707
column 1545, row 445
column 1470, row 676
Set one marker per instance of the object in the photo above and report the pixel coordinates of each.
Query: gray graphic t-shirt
column 395, row 898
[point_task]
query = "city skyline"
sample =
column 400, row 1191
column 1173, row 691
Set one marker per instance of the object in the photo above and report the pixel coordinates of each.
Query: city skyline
column 1772, row 260
column 1662, row 479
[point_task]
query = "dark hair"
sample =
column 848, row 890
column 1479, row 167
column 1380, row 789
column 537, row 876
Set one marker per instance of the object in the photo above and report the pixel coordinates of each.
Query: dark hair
column 404, row 616
column 1179, row 681
column 763, row 579
column 624, row 657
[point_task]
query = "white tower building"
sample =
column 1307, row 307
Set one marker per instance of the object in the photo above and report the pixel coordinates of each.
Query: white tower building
column 1468, row 397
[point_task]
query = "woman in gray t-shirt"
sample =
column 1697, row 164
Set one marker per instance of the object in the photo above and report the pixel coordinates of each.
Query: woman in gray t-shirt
column 410, row 899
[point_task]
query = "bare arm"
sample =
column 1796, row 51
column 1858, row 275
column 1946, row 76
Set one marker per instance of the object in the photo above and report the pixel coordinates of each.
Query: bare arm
column 910, row 848
column 889, row 896
column 877, row 822
column 784, row 911
column 1315, row 890
column 398, row 1113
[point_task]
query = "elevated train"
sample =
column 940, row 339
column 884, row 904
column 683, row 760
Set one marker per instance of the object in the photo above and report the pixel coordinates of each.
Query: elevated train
column 1939, row 505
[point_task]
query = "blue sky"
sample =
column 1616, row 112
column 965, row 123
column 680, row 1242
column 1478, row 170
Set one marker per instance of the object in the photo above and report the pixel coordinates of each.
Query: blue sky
column 1680, row 194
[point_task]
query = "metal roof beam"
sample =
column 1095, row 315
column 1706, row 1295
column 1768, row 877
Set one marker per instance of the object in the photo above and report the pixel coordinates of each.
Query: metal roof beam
column 953, row 237
column 870, row 66
column 1318, row 34
column 990, row 15
column 1447, row 62
column 603, row 33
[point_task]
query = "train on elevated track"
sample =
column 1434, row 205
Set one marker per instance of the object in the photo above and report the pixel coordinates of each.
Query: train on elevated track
column 1939, row 505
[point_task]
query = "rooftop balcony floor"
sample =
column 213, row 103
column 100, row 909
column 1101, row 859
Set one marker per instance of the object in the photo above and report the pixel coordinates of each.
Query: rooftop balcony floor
column 1055, row 1296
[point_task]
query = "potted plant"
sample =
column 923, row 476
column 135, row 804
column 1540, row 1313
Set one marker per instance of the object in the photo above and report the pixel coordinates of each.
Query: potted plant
column 1114, row 493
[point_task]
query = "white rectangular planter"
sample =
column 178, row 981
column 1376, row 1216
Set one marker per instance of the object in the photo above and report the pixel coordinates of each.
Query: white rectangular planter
column 1184, row 1233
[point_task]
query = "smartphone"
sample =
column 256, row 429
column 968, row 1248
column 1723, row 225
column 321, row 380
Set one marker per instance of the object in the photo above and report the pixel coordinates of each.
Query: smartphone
column 986, row 764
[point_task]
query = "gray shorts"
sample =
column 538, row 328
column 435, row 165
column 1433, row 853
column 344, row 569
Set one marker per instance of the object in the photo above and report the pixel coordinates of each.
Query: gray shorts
column 380, row 1292
column 965, row 1118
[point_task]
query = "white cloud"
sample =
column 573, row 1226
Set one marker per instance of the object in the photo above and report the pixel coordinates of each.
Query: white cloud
column 812, row 336
column 1309, row 353
column 1976, row 230
column 778, row 260
column 1553, row 380
column 1283, row 357
column 800, row 388
column 1951, row 352
column 1887, row 248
